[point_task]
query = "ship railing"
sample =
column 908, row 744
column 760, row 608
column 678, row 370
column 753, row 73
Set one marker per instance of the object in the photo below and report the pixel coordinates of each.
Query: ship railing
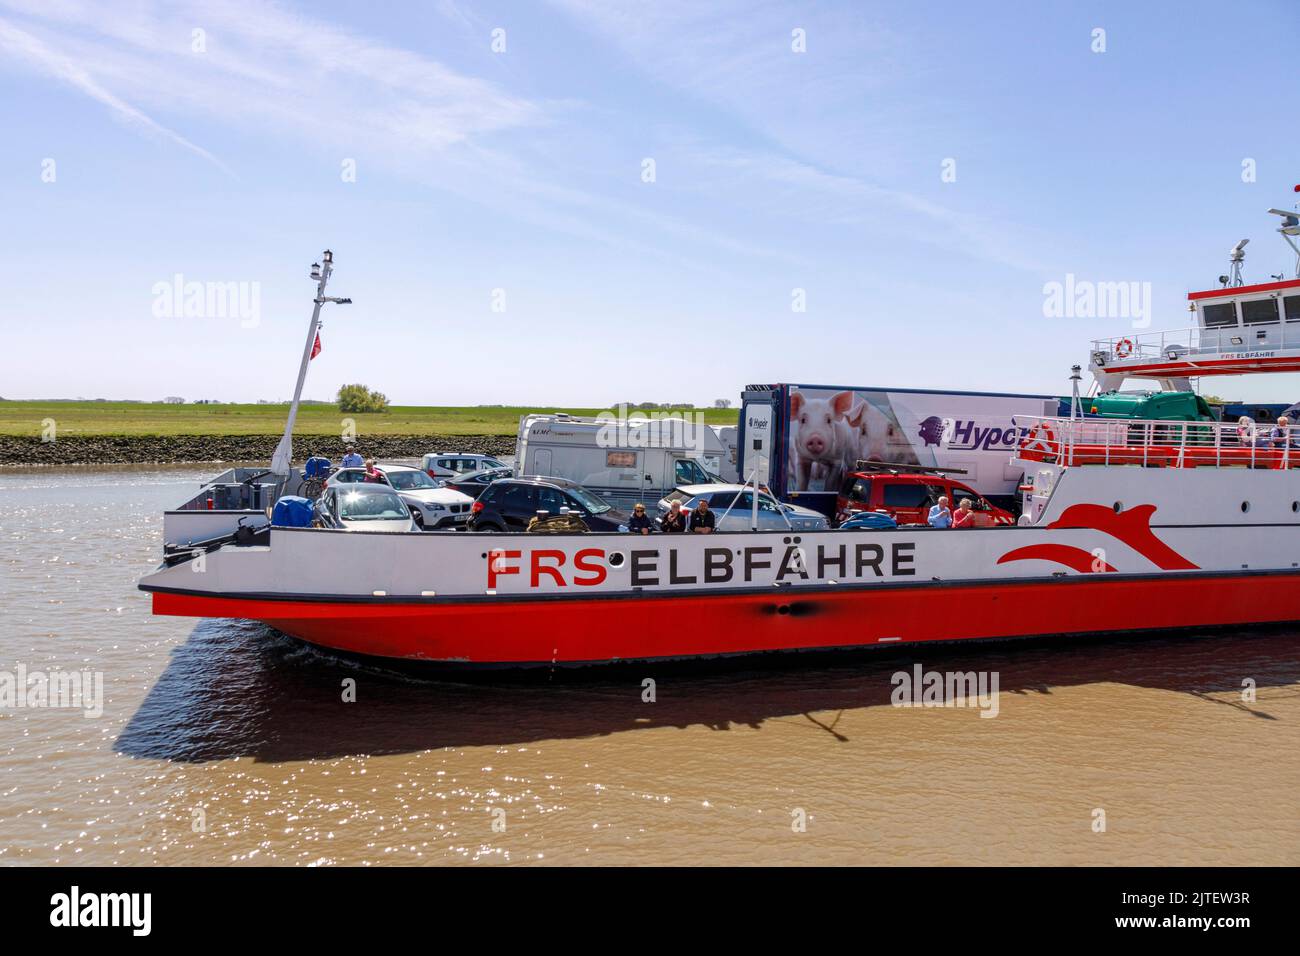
column 1176, row 344
column 1154, row 443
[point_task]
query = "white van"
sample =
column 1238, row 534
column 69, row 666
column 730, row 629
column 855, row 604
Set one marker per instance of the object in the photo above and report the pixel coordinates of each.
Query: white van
column 641, row 460
column 442, row 465
column 727, row 465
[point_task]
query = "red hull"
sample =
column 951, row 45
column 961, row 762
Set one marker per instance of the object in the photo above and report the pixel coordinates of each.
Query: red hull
column 638, row 627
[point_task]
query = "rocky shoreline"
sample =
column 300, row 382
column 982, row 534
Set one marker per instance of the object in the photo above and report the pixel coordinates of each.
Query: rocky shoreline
column 186, row 449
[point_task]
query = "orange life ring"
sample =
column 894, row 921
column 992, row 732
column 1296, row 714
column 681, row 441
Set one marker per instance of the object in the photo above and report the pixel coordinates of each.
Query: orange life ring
column 1123, row 348
column 1041, row 438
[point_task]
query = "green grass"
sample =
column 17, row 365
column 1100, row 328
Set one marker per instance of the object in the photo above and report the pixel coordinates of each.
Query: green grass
column 153, row 419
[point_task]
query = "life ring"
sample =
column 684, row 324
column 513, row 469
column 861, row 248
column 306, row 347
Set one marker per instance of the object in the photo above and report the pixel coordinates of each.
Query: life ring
column 1123, row 348
column 1041, row 438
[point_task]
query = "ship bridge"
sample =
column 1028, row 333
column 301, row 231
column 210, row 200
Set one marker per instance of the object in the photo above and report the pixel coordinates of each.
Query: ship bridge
column 1240, row 329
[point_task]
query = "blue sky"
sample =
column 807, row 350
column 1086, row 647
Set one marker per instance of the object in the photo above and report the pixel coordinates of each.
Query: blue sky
column 522, row 171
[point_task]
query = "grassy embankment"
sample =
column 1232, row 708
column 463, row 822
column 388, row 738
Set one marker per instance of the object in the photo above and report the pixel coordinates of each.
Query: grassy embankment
column 156, row 419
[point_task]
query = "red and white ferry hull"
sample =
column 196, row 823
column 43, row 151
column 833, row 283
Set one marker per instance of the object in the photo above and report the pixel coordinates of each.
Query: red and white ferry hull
column 1224, row 550
column 613, row 628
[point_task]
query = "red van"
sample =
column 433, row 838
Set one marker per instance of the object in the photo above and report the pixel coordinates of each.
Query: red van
column 907, row 498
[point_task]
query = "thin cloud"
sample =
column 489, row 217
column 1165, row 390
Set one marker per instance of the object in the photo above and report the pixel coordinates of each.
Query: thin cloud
column 31, row 50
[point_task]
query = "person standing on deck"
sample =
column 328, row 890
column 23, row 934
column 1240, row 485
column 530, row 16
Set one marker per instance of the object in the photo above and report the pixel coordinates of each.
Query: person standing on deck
column 352, row 459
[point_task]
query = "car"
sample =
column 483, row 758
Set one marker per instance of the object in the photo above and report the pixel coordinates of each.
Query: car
column 508, row 504
column 908, row 496
column 474, row 483
column 868, row 520
column 368, row 507
column 434, row 508
column 736, row 502
column 445, row 465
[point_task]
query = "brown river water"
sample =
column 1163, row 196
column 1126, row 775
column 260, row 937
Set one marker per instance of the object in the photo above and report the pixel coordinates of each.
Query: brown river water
column 222, row 742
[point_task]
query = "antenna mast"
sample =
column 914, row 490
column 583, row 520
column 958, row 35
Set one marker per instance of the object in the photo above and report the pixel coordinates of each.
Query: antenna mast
column 1289, row 229
column 283, row 456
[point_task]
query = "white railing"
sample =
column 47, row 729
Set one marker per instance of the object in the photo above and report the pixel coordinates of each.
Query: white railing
column 1176, row 344
column 1109, row 441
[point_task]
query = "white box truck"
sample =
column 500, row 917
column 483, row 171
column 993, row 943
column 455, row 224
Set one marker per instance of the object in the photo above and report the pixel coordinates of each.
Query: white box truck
column 621, row 459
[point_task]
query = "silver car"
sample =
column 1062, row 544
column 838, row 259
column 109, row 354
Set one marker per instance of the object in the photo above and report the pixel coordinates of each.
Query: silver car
column 434, row 508
column 369, row 507
column 736, row 502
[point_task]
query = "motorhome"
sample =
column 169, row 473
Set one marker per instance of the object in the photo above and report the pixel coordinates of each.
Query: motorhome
column 620, row 458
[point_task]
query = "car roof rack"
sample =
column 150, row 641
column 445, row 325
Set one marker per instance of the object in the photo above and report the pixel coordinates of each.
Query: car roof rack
column 895, row 468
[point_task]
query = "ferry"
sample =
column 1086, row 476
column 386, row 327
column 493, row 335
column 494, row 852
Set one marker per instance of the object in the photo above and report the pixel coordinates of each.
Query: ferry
column 1126, row 526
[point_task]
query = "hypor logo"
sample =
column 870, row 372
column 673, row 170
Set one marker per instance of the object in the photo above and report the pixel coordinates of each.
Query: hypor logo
column 134, row 910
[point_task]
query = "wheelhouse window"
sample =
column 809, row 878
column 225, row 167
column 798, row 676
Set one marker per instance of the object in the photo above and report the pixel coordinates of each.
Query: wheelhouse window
column 1291, row 308
column 1220, row 316
column 1259, row 311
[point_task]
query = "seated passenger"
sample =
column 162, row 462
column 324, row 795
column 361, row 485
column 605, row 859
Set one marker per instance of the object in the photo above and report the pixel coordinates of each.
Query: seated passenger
column 675, row 521
column 639, row 523
column 702, row 518
column 1246, row 432
column 940, row 515
column 965, row 517
column 1281, row 436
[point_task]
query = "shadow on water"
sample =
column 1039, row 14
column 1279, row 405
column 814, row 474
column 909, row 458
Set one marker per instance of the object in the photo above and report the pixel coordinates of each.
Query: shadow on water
column 239, row 689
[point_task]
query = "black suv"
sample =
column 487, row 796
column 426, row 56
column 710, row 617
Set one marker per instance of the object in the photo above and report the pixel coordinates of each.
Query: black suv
column 510, row 503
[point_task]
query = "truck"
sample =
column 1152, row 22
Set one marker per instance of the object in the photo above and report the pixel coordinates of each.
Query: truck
column 623, row 459
column 804, row 441
column 1150, row 405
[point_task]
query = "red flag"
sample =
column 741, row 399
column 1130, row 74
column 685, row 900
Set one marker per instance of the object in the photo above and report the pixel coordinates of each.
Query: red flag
column 315, row 349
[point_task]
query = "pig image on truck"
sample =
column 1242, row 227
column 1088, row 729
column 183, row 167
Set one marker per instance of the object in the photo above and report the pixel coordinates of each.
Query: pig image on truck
column 804, row 441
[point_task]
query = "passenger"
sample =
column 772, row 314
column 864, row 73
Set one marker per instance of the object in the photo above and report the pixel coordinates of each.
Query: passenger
column 639, row 523
column 1281, row 435
column 964, row 518
column 941, row 514
column 352, row 459
column 674, row 522
column 702, row 518
column 372, row 473
column 1245, row 431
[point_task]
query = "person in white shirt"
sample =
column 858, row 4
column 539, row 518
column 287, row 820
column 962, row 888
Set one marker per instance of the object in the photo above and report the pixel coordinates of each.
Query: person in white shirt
column 941, row 515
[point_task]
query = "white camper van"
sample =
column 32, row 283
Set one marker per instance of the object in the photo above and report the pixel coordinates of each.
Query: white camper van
column 634, row 459
column 726, row 466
